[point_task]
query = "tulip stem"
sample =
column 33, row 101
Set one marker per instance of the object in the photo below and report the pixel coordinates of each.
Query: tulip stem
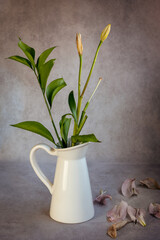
column 100, row 79
column 79, row 88
column 78, row 128
column 93, row 63
column 83, row 116
column 79, row 77
column 79, row 95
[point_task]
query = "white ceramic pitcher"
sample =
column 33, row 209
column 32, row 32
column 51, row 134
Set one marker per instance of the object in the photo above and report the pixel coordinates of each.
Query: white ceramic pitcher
column 71, row 192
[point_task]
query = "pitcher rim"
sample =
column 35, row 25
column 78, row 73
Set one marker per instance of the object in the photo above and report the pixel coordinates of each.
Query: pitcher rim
column 74, row 147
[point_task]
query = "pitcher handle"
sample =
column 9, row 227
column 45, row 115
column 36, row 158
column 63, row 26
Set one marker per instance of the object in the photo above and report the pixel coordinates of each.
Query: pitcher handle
column 36, row 167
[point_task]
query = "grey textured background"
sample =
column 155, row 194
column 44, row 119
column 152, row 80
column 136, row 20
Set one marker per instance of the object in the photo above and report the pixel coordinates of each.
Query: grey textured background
column 125, row 112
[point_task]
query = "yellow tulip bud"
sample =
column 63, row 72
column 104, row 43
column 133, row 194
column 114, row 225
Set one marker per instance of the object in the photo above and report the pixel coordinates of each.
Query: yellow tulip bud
column 79, row 44
column 105, row 32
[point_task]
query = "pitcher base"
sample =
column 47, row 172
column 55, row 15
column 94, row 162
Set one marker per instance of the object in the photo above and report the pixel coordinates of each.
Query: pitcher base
column 72, row 221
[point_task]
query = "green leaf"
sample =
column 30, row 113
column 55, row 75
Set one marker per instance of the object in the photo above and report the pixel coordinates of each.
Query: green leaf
column 84, row 138
column 28, row 51
column 44, row 72
column 21, row 60
column 64, row 128
column 53, row 88
column 72, row 105
column 42, row 58
column 35, row 127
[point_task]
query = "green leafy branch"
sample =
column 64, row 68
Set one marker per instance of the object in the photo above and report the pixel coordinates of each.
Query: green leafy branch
column 42, row 69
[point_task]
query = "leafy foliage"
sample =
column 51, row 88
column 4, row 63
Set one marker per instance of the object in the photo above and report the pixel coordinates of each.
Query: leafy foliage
column 44, row 72
column 84, row 138
column 21, row 60
column 44, row 55
column 53, row 88
column 28, row 51
column 35, row 127
column 72, row 105
column 64, row 128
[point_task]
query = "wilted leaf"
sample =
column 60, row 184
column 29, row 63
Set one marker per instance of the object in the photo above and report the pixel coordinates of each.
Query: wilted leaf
column 154, row 209
column 112, row 230
column 150, row 183
column 132, row 213
column 101, row 198
column 118, row 212
column 35, row 127
column 21, row 60
column 53, row 88
column 129, row 187
column 136, row 215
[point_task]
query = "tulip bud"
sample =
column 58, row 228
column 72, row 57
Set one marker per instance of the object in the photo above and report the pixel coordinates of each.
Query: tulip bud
column 105, row 32
column 79, row 44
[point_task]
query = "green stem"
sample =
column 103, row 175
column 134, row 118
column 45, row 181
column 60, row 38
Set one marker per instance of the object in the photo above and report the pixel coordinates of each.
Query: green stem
column 82, row 124
column 49, row 111
column 83, row 116
column 79, row 95
column 79, row 78
column 79, row 89
column 93, row 63
column 79, row 107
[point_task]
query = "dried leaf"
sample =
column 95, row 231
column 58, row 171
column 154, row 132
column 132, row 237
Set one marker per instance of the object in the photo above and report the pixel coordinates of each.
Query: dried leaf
column 150, row 183
column 132, row 213
column 129, row 187
column 136, row 215
column 154, row 209
column 121, row 224
column 101, row 198
column 118, row 215
column 118, row 212
column 112, row 230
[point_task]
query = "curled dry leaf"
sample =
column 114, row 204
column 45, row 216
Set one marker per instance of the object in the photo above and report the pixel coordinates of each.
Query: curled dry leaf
column 118, row 212
column 150, row 183
column 112, row 230
column 101, row 198
column 154, row 209
column 129, row 187
column 122, row 214
column 136, row 215
column 132, row 213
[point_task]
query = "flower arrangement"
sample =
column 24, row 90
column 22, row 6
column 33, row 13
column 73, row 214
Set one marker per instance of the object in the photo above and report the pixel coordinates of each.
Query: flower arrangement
column 42, row 69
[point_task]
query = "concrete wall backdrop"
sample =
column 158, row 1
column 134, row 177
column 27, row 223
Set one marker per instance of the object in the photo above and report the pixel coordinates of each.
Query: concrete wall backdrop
column 125, row 113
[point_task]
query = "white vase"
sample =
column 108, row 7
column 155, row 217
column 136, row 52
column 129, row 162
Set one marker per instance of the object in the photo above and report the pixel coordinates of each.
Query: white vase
column 71, row 192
